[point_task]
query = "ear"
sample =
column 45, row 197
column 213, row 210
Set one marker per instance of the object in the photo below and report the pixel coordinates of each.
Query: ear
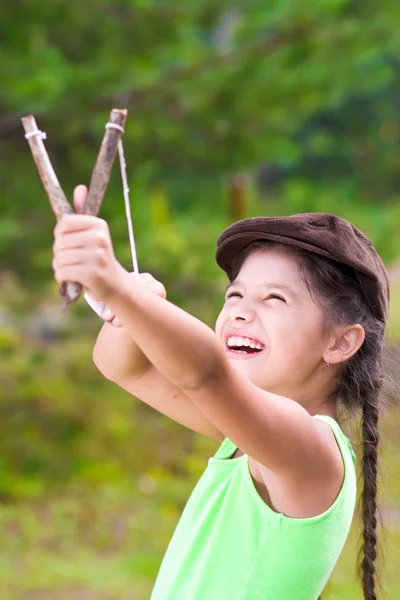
column 345, row 344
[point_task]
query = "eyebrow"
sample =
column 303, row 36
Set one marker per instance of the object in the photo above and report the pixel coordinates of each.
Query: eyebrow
column 279, row 286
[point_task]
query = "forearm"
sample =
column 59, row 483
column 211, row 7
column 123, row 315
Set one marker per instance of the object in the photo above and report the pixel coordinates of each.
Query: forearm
column 116, row 354
column 181, row 347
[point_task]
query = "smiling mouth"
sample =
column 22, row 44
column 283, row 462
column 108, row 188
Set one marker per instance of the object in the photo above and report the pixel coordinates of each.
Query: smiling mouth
column 243, row 349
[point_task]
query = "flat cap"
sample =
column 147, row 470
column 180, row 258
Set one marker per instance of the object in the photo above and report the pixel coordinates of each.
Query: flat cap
column 321, row 233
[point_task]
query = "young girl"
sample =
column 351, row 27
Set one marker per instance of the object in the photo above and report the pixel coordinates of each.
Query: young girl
column 299, row 336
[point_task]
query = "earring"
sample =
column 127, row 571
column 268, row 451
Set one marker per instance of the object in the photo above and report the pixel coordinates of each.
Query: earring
column 327, row 364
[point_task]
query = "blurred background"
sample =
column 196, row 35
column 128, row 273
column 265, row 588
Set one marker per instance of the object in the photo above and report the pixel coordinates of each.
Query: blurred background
column 236, row 109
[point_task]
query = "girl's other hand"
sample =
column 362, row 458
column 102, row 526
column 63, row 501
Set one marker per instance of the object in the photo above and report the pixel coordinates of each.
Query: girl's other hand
column 145, row 279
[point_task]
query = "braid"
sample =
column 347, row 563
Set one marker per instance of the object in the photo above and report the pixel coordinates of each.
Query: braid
column 366, row 384
column 366, row 566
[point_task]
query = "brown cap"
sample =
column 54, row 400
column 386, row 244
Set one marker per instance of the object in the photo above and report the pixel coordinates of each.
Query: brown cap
column 321, row 233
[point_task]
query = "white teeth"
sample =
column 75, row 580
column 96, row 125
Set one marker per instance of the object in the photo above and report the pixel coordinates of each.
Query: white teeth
column 240, row 341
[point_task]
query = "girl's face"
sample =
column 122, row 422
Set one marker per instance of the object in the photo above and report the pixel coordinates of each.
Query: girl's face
column 269, row 307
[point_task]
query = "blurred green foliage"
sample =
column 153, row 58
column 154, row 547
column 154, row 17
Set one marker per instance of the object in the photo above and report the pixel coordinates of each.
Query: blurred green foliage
column 300, row 97
column 303, row 96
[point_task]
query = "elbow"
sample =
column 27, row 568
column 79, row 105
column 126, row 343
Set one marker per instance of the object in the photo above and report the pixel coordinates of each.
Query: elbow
column 212, row 368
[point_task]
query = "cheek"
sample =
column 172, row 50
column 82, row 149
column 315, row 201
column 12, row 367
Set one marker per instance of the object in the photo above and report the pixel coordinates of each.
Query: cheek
column 299, row 340
column 219, row 322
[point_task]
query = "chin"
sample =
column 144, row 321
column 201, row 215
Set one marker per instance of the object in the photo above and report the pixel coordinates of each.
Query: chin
column 247, row 370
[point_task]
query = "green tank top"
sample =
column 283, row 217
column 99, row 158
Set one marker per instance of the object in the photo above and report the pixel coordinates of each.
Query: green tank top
column 229, row 545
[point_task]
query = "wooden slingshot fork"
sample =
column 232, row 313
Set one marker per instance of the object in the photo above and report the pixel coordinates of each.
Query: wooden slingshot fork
column 71, row 290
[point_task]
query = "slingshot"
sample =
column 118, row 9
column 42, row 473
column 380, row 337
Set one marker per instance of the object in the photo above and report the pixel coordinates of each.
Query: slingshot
column 71, row 290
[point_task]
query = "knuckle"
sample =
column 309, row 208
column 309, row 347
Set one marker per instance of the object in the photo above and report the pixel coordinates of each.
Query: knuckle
column 146, row 278
column 62, row 225
column 102, row 223
column 101, row 256
column 97, row 279
column 102, row 239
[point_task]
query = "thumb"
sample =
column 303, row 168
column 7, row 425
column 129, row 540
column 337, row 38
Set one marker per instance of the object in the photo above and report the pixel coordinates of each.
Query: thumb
column 79, row 197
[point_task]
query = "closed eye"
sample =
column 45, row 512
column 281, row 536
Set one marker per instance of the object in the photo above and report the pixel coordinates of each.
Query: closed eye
column 232, row 294
column 276, row 296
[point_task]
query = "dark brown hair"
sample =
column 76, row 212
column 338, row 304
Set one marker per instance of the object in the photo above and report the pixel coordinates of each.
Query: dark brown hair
column 362, row 386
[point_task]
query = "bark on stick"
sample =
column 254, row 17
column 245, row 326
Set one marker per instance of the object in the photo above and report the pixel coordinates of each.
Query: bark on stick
column 58, row 200
column 102, row 170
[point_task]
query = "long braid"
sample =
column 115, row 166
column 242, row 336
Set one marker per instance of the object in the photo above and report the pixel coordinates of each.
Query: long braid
column 367, row 553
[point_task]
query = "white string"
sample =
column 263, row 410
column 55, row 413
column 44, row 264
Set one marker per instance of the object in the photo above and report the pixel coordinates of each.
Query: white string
column 30, row 134
column 127, row 206
column 126, row 195
column 115, row 126
column 98, row 307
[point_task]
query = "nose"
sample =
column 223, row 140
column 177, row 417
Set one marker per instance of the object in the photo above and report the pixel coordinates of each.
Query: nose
column 241, row 311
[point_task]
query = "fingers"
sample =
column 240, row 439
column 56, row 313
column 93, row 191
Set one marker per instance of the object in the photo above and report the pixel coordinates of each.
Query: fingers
column 79, row 197
column 107, row 315
column 153, row 284
column 146, row 278
column 77, row 224
column 110, row 317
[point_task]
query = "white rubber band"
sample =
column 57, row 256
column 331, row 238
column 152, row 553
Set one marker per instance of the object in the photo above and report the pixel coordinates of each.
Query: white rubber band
column 115, row 126
column 125, row 188
column 42, row 134
column 126, row 195
column 98, row 307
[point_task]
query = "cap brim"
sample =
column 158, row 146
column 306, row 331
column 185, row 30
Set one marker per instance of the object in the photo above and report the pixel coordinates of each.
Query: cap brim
column 231, row 247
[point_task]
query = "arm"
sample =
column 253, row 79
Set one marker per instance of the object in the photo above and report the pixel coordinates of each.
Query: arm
column 117, row 355
column 275, row 431
column 120, row 360
column 115, row 352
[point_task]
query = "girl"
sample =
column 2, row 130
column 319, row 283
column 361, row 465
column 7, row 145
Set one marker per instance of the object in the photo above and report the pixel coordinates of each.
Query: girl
column 299, row 336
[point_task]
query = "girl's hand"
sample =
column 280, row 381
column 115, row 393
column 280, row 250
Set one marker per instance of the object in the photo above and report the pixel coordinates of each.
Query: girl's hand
column 145, row 279
column 83, row 252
